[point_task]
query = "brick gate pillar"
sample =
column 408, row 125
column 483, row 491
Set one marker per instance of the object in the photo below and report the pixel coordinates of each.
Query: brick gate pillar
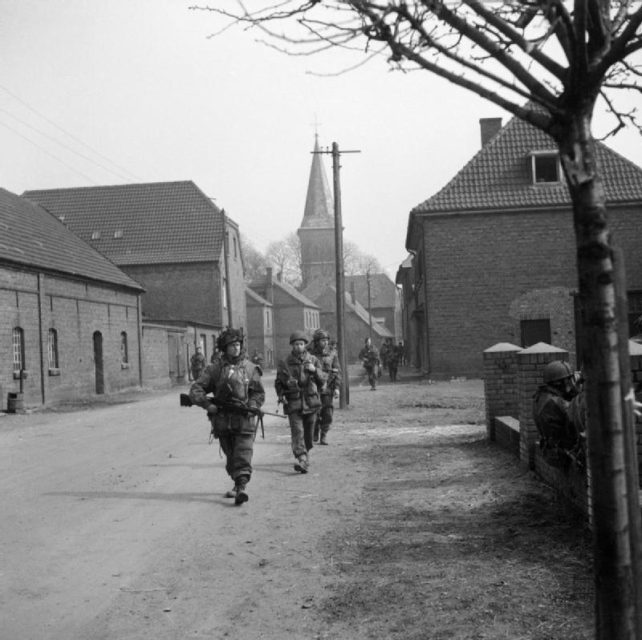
column 500, row 383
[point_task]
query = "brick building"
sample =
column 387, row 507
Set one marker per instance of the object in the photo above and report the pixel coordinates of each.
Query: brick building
column 494, row 250
column 291, row 311
column 70, row 319
column 260, row 327
column 173, row 240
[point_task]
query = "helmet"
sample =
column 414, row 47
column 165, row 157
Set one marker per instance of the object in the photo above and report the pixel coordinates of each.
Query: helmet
column 320, row 334
column 298, row 335
column 556, row 370
column 228, row 337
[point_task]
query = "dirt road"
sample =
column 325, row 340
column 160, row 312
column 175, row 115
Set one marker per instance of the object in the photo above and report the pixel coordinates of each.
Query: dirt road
column 409, row 525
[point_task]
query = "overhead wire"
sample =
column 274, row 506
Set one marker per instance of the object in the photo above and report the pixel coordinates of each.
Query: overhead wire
column 122, row 172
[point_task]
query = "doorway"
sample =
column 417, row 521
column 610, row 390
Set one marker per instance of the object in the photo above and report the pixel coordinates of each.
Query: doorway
column 98, row 362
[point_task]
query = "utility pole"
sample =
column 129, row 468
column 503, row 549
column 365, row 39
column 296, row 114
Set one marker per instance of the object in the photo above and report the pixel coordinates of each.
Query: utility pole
column 369, row 304
column 344, row 397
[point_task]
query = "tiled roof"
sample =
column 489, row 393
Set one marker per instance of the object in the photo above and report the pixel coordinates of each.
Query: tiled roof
column 32, row 237
column 382, row 289
column 256, row 298
column 259, row 286
column 162, row 222
column 499, row 176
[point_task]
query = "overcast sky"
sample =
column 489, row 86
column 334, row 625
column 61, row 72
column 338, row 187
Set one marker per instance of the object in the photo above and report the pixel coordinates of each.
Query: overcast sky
column 97, row 93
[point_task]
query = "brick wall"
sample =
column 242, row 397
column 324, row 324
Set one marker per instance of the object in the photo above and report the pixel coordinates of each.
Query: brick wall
column 482, row 270
column 75, row 309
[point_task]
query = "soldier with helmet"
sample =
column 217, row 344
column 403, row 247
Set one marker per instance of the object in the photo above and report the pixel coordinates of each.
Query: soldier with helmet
column 555, row 405
column 299, row 381
column 329, row 360
column 235, row 384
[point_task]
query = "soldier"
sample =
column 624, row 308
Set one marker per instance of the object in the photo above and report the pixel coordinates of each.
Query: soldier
column 235, row 383
column 299, row 381
column 197, row 363
column 554, row 406
column 369, row 356
column 331, row 368
column 394, row 358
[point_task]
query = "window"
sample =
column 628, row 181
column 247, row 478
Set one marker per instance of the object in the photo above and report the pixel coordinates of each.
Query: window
column 52, row 349
column 95, row 235
column 545, row 167
column 534, row 331
column 124, row 351
column 267, row 318
column 118, row 233
column 18, row 340
column 236, row 251
column 224, row 295
column 203, row 343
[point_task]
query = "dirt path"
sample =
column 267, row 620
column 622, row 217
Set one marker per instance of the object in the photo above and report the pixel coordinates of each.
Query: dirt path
column 409, row 525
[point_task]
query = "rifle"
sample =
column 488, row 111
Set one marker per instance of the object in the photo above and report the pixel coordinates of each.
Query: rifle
column 237, row 407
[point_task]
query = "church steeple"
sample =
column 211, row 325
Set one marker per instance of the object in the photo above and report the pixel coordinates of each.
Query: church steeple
column 317, row 227
column 319, row 207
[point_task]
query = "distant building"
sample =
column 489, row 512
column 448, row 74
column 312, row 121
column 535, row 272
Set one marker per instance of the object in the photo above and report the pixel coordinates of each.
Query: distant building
column 495, row 252
column 70, row 318
column 260, row 327
column 176, row 242
column 291, row 310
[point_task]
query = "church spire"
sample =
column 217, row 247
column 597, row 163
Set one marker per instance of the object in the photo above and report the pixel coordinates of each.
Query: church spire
column 319, row 207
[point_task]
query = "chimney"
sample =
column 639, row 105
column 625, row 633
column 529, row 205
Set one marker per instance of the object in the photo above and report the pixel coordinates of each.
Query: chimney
column 269, row 286
column 489, row 127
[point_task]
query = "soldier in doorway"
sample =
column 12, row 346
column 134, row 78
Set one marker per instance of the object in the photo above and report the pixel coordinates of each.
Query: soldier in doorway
column 197, row 363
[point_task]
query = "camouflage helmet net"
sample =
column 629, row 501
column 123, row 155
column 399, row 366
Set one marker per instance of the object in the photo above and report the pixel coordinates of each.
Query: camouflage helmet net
column 228, row 337
column 320, row 334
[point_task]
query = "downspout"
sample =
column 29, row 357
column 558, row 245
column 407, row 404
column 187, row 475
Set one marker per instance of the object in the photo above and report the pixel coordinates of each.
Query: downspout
column 139, row 323
column 41, row 343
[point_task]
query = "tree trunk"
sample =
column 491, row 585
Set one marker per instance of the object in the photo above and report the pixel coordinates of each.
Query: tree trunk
column 616, row 615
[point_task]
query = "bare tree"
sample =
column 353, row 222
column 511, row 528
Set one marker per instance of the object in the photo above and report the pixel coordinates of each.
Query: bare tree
column 285, row 255
column 253, row 260
column 547, row 62
column 356, row 262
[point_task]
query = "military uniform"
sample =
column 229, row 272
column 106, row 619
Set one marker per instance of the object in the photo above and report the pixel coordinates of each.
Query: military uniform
column 369, row 356
column 298, row 384
column 235, row 383
column 393, row 362
column 197, row 364
column 557, row 412
column 329, row 360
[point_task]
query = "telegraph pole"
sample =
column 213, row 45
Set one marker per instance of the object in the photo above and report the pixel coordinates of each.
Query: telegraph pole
column 344, row 398
column 369, row 304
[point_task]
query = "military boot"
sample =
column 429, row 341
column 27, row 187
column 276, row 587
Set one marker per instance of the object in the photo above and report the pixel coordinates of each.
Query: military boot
column 241, row 491
column 301, row 465
column 324, row 439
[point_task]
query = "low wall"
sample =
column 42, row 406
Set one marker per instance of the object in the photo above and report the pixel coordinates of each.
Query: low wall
column 511, row 377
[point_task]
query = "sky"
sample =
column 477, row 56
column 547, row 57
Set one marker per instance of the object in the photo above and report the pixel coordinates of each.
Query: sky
column 127, row 91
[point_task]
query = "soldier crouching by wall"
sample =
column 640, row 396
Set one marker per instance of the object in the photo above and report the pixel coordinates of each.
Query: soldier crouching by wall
column 298, row 384
column 235, row 384
column 559, row 413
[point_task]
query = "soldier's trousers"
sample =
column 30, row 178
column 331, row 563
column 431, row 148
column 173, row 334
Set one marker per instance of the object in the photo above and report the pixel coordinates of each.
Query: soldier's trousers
column 324, row 417
column 302, row 431
column 238, row 450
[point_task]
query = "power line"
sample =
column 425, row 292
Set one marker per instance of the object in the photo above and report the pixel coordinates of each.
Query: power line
column 65, row 146
column 55, row 157
column 70, row 135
